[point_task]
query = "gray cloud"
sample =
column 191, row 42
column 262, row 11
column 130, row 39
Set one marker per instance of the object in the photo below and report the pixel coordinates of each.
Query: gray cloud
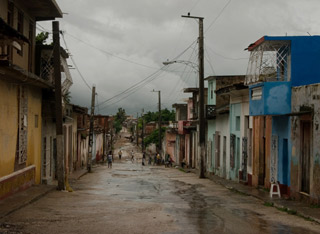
column 150, row 31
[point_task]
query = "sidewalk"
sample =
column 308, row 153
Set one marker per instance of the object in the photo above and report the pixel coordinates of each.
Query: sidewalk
column 32, row 194
column 290, row 206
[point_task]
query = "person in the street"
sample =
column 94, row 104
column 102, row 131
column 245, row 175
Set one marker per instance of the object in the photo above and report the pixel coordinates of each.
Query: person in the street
column 110, row 158
column 150, row 160
column 155, row 159
column 132, row 156
column 120, row 154
column 167, row 162
column 158, row 159
column 183, row 163
column 143, row 158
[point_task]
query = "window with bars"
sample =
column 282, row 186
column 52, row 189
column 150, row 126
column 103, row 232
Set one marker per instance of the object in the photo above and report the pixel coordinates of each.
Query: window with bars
column 270, row 61
column 23, row 124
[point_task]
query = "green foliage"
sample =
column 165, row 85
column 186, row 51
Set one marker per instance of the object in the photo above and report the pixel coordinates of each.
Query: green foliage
column 41, row 38
column 117, row 126
column 121, row 115
column 166, row 115
column 154, row 137
column 119, row 119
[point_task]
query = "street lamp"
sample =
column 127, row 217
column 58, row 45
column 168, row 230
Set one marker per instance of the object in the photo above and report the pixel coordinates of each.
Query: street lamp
column 200, row 69
column 188, row 63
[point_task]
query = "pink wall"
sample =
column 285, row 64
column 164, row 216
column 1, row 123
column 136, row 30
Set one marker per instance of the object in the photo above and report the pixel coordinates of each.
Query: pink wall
column 170, row 144
column 190, row 106
column 187, row 148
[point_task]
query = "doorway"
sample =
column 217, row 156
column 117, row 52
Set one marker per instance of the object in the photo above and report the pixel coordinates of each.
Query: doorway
column 305, row 156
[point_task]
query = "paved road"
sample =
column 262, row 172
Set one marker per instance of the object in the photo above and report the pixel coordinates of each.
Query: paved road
column 131, row 198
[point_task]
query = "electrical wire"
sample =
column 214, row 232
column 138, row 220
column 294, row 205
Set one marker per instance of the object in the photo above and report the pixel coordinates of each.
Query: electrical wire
column 210, row 25
column 74, row 63
column 111, row 54
column 129, row 91
column 133, row 91
column 225, row 57
column 194, row 6
column 145, row 81
column 208, row 58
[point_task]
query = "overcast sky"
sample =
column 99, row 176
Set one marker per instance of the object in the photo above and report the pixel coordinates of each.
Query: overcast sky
column 118, row 43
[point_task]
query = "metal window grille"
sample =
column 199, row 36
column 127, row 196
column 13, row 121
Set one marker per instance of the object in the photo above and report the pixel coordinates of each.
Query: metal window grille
column 47, row 70
column 23, row 124
column 269, row 61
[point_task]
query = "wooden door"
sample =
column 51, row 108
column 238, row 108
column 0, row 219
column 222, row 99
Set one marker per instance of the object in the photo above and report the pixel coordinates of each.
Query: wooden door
column 305, row 156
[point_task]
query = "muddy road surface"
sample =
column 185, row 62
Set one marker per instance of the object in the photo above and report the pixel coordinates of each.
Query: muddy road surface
column 131, row 198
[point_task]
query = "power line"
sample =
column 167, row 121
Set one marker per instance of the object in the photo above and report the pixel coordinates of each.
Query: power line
column 145, row 81
column 111, row 54
column 218, row 15
column 130, row 92
column 208, row 59
column 74, row 63
column 223, row 56
column 194, row 6
column 131, row 87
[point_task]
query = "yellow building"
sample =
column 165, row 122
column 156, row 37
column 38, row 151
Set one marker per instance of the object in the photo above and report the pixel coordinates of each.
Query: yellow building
column 21, row 93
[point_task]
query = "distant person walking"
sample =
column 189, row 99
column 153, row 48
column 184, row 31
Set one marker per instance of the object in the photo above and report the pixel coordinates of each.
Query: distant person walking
column 143, row 158
column 155, row 159
column 110, row 158
column 132, row 156
column 158, row 159
column 120, row 154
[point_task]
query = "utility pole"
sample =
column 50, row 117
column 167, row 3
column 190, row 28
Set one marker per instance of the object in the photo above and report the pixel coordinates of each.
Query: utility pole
column 137, row 132
column 201, row 96
column 104, row 138
column 142, row 133
column 89, row 163
column 160, row 145
column 59, row 127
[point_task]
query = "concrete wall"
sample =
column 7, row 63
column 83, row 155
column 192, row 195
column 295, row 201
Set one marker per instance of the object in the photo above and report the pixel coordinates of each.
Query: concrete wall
column 20, row 60
column 187, row 149
column 211, row 140
column 34, row 132
column 245, row 130
column 281, row 128
column 235, row 112
column 98, row 149
column 306, row 97
column 47, row 160
column 8, row 127
column 170, row 144
column 222, row 126
column 275, row 99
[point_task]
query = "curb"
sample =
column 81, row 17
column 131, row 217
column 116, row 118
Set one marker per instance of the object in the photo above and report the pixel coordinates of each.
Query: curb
column 36, row 198
column 274, row 203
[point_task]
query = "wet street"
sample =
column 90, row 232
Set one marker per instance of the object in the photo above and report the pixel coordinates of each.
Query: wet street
column 131, row 198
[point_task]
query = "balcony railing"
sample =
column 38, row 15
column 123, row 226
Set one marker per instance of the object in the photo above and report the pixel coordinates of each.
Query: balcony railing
column 269, row 61
column 210, row 111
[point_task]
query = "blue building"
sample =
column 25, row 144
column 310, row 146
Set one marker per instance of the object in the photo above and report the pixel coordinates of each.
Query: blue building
column 276, row 65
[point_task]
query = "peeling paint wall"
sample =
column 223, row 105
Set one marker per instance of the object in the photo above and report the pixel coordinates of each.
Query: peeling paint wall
column 306, row 98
